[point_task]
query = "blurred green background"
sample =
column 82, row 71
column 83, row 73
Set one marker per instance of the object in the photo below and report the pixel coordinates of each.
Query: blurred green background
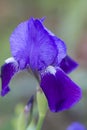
column 68, row 20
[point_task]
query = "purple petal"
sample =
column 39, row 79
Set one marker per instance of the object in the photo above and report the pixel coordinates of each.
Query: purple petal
column 60, row 90
column 61, row 47
column 68, row 64
column 76, row 126
column 44, row 49
column 19, row 44
column 31, row 44
column 62, row 50
column 7, row 72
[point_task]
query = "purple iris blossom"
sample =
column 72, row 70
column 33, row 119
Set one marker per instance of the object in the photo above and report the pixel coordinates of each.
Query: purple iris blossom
column 76, row 126
column 36, row 48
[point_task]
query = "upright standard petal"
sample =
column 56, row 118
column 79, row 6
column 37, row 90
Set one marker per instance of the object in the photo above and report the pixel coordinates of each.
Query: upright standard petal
column 43, row 48
column 19, row 42
column 61, row 47
column 7, row 72
column 68, row 64
column 62, row 50
column 60, row 90
column 31, row 44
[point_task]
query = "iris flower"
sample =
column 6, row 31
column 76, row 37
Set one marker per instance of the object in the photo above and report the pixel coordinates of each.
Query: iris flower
column 36, row 48
column 76, row 126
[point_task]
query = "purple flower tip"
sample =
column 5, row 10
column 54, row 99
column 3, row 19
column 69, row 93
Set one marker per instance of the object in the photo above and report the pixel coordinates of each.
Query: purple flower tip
column 5, row 91
column 76, row 126
column 29, row 105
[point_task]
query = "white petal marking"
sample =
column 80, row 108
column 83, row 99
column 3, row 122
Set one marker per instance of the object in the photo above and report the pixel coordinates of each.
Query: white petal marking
column 51, row 69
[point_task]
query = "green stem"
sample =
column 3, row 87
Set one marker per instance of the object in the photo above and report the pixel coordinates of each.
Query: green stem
column 40, row 122
column 42, row 108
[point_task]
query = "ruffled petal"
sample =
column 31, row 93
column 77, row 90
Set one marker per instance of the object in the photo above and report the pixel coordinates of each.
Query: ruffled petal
column 43, row 49
column 61, row 47
column 60, row 90
column 68, row 64
column 31, row 44
column 32, row 40
column 62, row 50
column 19, row 44
column 7, row 72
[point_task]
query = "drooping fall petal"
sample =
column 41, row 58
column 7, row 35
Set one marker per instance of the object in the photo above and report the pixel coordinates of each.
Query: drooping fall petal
column 8, row 70
column 60, row 90
column 68, row 64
